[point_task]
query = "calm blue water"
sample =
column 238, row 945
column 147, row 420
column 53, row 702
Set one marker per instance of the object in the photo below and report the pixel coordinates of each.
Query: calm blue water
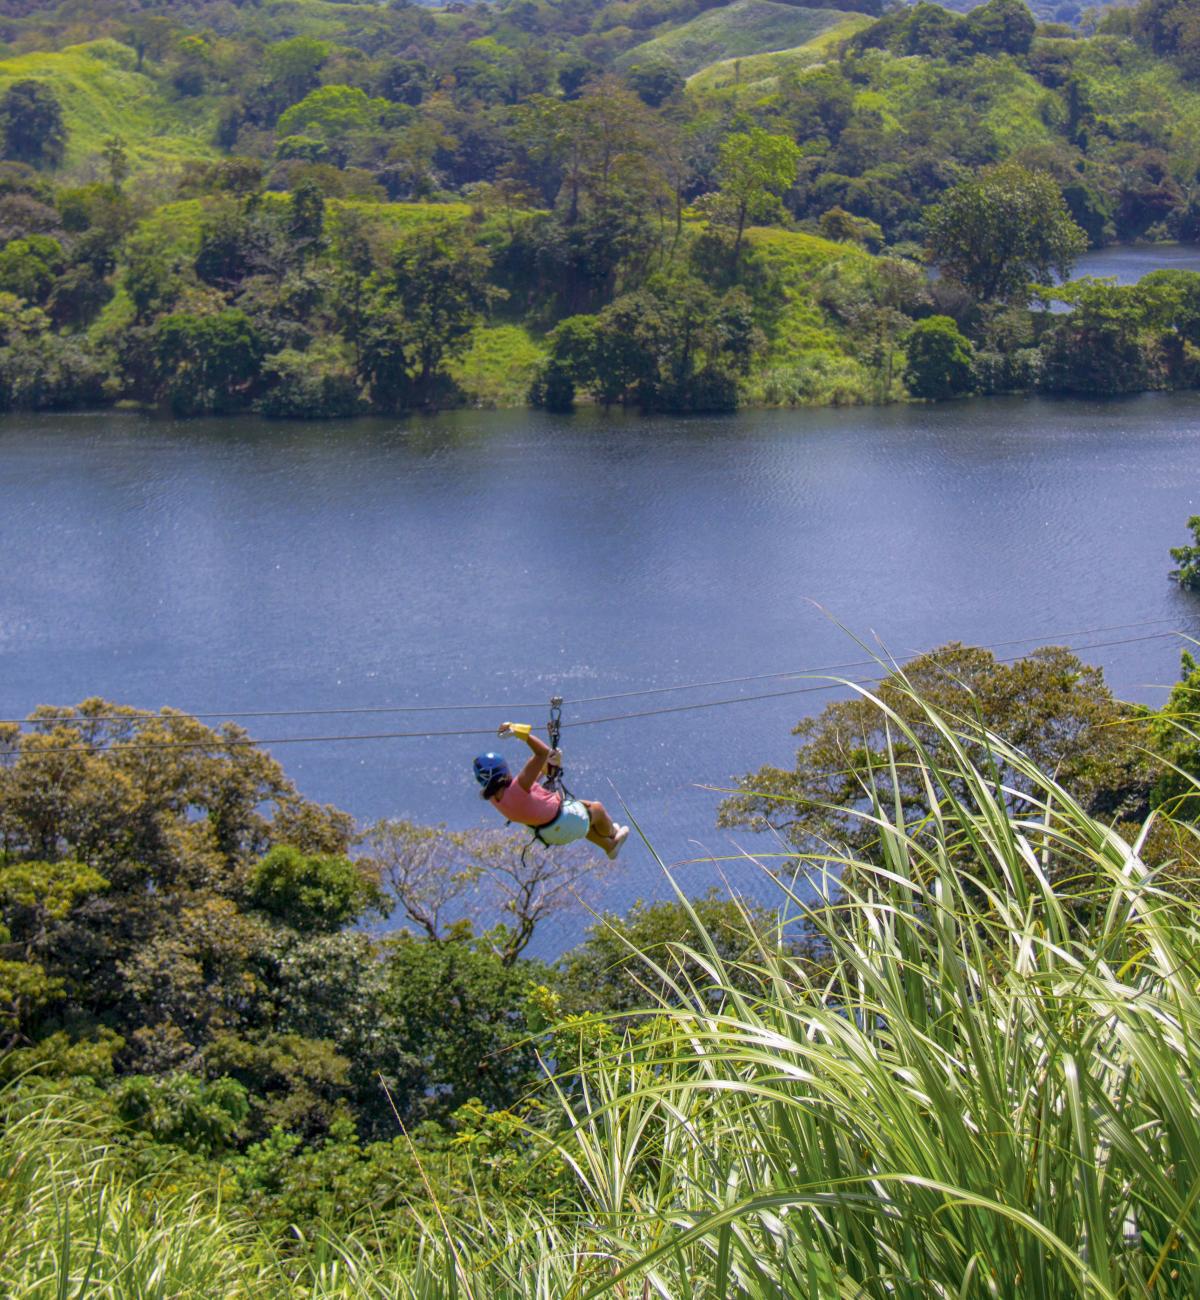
column 501, row 557
column 1128, row 263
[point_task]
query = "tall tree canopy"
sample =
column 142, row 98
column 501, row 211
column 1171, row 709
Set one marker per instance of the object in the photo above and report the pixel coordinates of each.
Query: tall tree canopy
column 1002, row 230
column 1050, row 704
column 32, row 122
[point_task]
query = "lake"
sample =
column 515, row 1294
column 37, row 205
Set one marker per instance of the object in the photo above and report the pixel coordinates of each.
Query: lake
column 500, row 557
column 1128, row 263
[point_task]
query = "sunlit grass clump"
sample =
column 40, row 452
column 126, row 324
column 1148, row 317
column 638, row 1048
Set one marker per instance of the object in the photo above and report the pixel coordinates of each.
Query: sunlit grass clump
column 103, row 94
column 754, row 75
column 978, row 1077
column 73, row 1224
column 745, row 27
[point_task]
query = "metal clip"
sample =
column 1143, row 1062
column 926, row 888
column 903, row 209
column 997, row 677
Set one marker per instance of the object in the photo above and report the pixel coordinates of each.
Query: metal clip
column 555, row 726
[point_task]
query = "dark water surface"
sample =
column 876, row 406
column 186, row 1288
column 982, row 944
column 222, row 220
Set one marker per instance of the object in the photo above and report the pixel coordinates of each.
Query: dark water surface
column 501, row 557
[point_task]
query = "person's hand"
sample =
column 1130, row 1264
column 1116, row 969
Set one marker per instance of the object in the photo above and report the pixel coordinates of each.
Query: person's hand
column 520, row 730
column 554, row 758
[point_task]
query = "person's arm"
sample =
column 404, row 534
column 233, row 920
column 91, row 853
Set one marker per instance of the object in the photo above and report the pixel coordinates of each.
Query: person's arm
column 541, row 752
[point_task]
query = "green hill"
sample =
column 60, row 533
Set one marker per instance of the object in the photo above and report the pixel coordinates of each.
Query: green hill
column 744, row 27
column 810, row 359
column 103, row 95
column 759, row 70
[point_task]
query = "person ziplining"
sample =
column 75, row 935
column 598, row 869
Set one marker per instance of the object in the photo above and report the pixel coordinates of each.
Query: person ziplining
column 552, row 814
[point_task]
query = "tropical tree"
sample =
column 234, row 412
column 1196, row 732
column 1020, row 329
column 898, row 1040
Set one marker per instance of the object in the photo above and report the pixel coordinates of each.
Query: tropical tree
column 592, row 153
column 191, row 65
column 491, row 885
column 312, row 892
column 1175, row 734
column 31, row 119
column 673, row 346
column 1188, row 558
column 35, row 899
column 116, row 159
column 290, row 70
column 206, row 362
column 306, row 220
column 28, row 267
column 462, row 1020
column 655, row 81
column 609, row 971
column 1003, row 230
column 440, row 283
column 1001, row 27
column 1049, row 704
column 754, row 168
column 333, row 115
column 138, row 887
column 1098, row 348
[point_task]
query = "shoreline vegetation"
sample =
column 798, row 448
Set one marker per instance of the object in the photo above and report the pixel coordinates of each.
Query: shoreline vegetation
column 965, row 1062
column 665, row 205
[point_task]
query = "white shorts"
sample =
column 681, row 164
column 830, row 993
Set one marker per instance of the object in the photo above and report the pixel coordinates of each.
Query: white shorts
column 572, row 823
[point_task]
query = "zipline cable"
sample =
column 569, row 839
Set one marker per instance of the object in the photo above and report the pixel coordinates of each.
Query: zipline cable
column 863, row 681
column 1049, row 638
column 249, row 741
column 1052, row 638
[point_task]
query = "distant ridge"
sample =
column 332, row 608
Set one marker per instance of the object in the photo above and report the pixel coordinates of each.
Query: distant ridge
column 759, row 70
column 732, row 31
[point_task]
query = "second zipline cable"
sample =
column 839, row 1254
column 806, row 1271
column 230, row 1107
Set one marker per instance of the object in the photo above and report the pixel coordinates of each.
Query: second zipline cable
column 239, row 741
column 1047, row 638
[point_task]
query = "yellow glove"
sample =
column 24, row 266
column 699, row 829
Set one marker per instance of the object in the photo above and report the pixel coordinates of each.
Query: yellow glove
column 520, row 730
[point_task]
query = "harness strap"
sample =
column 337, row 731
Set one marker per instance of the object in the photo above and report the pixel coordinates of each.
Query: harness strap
column 536, row 831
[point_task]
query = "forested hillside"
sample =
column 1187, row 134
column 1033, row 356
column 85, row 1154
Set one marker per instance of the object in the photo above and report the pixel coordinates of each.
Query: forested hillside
column 311, row 210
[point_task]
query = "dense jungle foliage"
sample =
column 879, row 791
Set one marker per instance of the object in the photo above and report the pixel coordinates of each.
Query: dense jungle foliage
column 250, row 1049
column 307, row 209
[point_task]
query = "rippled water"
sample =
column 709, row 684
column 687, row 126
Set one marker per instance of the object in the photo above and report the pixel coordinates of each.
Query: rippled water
column 500, row 557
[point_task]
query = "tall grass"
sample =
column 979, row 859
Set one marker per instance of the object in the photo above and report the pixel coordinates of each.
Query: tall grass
column 73, row 1224
column 102, row 94
column 750, row 76
column 988, row 1085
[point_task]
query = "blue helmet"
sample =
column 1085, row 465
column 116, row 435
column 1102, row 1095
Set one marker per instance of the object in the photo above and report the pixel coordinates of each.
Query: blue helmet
column 490, row 766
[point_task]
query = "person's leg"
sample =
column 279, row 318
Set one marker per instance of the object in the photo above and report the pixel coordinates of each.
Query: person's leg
column 600, row 819
column 604, row 833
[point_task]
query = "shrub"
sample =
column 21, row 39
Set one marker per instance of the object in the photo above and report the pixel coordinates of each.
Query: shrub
column 183, row 1110
column 311, row 892
column 50, row 372
column 318, row 384
column 939, row 360
column 1188, row 558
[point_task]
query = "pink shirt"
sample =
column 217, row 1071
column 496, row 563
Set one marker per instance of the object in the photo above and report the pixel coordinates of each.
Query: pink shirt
column 536, row 807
